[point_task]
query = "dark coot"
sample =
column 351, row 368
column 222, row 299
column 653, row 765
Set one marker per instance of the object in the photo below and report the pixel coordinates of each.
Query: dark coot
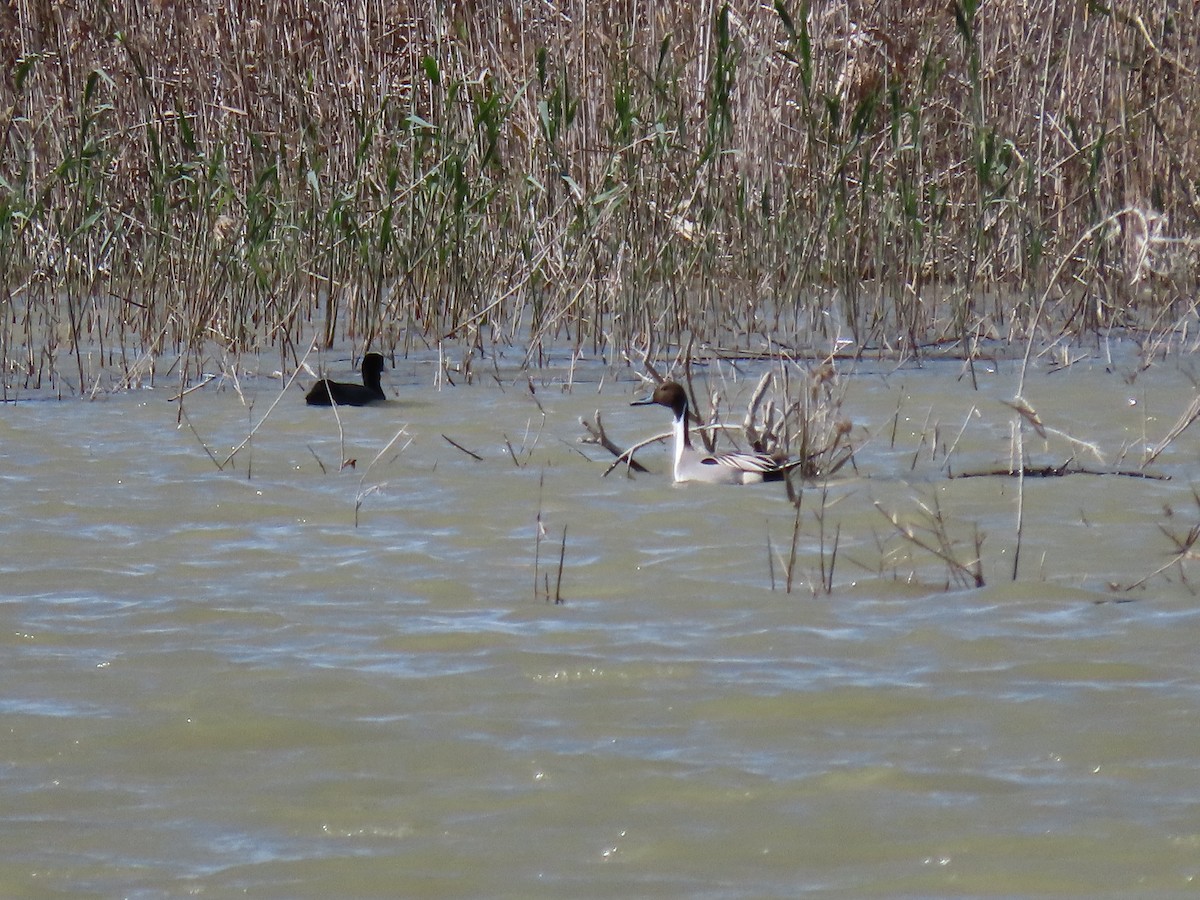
column 326, row 393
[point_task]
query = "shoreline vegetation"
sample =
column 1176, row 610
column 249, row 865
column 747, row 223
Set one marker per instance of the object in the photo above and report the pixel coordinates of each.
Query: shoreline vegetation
column 617, row 179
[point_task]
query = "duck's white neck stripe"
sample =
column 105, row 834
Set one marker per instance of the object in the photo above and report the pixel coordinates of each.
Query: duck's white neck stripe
column 681, row 441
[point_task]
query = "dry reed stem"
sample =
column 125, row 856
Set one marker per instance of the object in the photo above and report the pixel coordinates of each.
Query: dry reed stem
column 934, row 539
column 1184, row 551
column 246, row 440
column 1185, row 421
column 539, row 534
column 363, row 493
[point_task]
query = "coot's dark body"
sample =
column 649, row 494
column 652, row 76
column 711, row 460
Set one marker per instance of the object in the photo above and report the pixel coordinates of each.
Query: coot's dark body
column 326, row 392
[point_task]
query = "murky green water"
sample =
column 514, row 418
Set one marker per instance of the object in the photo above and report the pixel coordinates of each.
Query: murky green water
column 214, row 684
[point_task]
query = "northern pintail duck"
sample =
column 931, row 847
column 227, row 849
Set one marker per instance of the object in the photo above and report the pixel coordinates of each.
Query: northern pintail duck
column 715, row 468
column 327, row 393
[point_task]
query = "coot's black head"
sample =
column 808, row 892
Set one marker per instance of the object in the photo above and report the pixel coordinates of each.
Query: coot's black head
column 372, row 369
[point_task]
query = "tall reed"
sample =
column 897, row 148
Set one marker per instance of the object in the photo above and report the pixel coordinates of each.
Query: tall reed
column 402, row 173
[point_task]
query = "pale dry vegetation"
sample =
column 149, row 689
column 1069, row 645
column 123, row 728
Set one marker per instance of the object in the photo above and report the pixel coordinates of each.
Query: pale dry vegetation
column 195, row 179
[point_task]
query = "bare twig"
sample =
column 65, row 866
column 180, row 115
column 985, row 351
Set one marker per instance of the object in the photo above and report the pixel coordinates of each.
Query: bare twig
column 597, row 435
column 627, row 455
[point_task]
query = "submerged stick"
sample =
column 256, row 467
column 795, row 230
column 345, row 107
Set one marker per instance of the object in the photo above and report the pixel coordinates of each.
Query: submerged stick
column 456, row 445
column 1050, row 471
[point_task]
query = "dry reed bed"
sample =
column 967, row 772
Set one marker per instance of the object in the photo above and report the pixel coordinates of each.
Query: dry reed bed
column 630, row 176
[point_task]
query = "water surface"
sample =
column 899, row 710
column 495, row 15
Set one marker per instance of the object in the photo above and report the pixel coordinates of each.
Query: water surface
column 215, row 683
